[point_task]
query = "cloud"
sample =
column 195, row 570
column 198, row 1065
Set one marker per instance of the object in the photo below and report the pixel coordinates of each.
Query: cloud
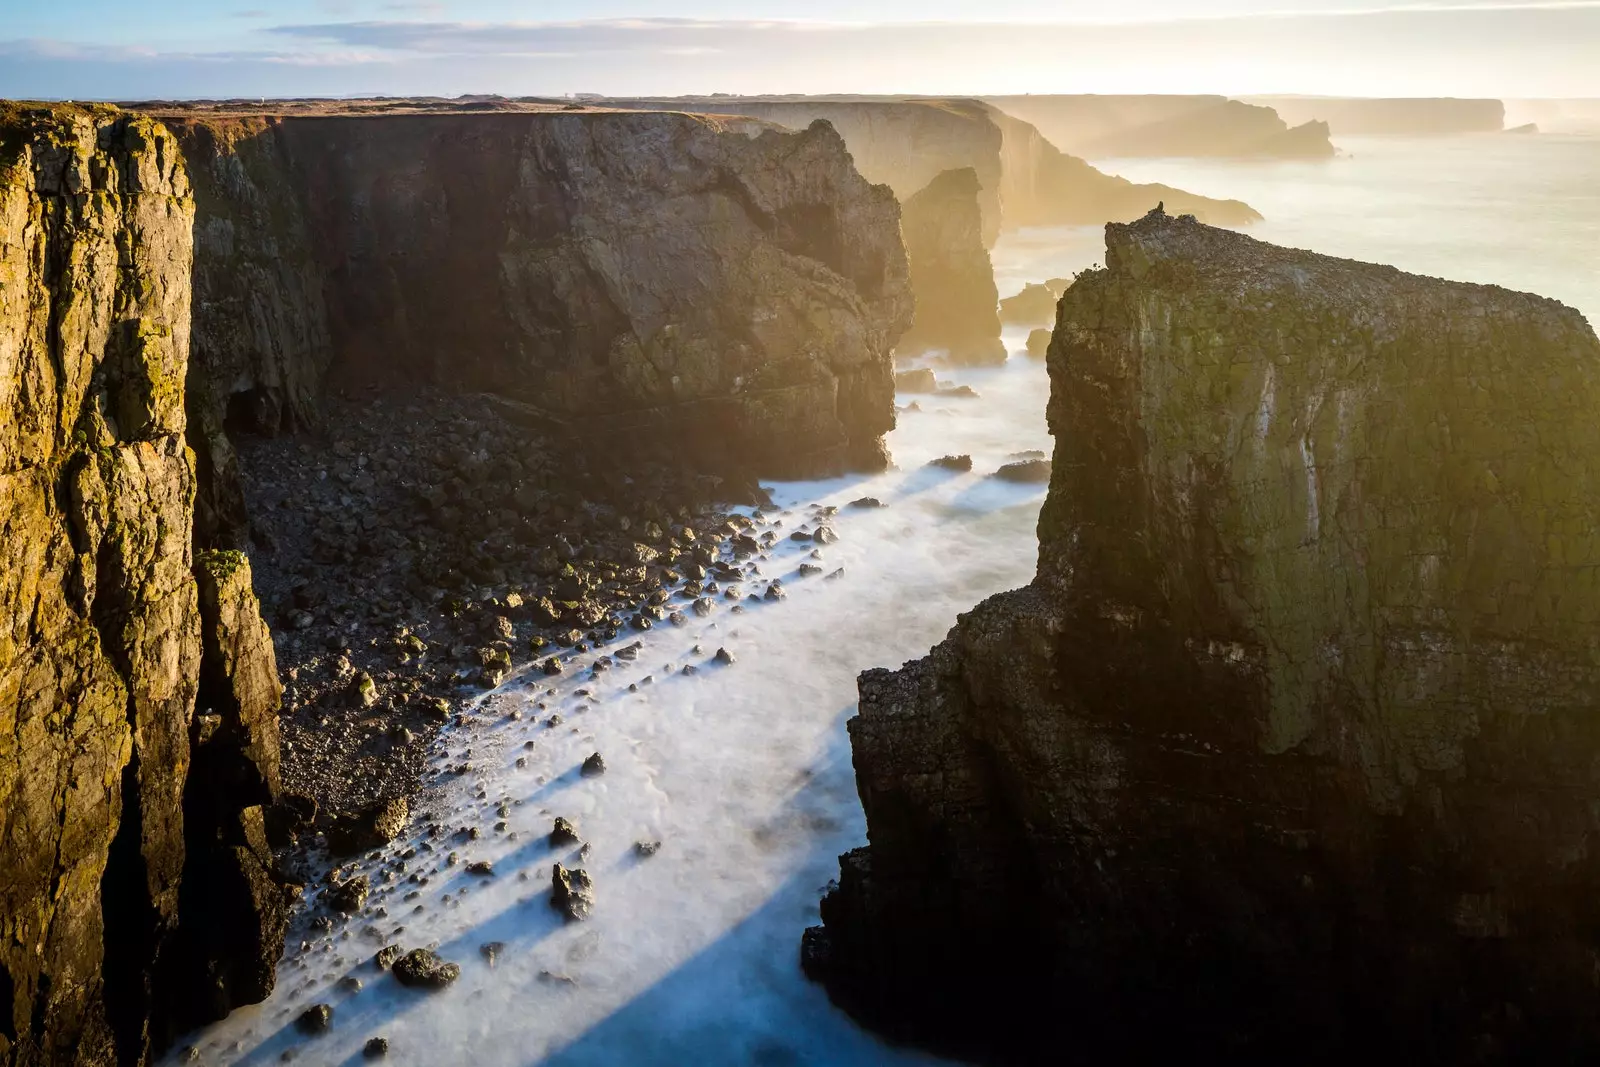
column 1461, row 48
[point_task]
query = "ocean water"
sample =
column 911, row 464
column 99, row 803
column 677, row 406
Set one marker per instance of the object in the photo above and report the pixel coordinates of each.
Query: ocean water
column 1507, row 209
column 743, row 772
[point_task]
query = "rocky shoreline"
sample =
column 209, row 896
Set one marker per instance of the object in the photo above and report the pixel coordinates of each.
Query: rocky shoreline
column 420, row 545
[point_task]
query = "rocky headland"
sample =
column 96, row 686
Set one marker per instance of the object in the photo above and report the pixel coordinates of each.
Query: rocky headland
column 1110, row 127
column 411, row 365
column 1403, row 116
column 1288, row 750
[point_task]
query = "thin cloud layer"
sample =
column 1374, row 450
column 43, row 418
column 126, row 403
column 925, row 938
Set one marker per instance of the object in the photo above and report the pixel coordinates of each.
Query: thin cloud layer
column 1504, row 49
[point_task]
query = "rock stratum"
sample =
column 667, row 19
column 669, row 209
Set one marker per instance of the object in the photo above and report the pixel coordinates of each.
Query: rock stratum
column 1108, row 127
column 1288, row 752
column 133, row 848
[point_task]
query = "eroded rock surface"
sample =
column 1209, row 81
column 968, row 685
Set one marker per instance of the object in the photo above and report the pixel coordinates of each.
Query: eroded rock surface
column 951, row 275
column 109, row 780
column 640, row 280
column 1289, row 750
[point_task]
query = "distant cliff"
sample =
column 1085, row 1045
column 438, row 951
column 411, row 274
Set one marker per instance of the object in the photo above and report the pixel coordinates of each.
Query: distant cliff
column 906, row 142
column 731, row 291
column 1106, row 127
column 1043, row 186
column 951, row 275
column 138, row 896
column 1416, row 117
column 1289, row 751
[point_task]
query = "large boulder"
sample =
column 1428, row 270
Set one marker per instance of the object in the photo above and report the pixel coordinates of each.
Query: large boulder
column 1290, row 750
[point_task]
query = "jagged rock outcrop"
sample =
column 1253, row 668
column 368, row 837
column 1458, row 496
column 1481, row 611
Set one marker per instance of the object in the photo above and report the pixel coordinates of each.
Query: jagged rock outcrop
column 645, row 280
column 951, row 275
column 1107, row 127
column 1404, row 116
column 1289, row 751
column 103, row 645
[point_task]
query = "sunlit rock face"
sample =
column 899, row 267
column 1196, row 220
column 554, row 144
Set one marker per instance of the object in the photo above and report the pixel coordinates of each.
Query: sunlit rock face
column 110, row 944
column 723, row 288
column 951, row 275
column 1290, row 748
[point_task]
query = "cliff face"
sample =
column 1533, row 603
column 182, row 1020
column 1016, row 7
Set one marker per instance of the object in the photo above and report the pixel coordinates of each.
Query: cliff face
column 1290, row 748
column 1026, row 180
column 1415, row 117
column 1043, row 186
column 1103, row 127
column 102, row 636
column 652, row 279
column 951, row 275
column 904, row 144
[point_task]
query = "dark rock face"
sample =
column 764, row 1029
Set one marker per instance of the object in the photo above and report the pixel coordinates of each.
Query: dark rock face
column 1289, row 749
column 115, row 788
column 951, row 274
column 634, row 278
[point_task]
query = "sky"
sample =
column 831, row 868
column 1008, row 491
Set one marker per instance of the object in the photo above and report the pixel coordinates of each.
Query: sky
column 113, row 49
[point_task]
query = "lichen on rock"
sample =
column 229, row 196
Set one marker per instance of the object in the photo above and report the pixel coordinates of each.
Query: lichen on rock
column 101, row 632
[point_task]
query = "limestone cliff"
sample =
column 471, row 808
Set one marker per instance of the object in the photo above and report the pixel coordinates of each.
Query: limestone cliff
column 1106, row 127
column 726, row 290
column 951, row 274
column 1289, row 751
column 103, row 640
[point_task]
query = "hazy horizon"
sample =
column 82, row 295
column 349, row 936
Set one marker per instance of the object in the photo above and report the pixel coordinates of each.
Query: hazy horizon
column 92, row 49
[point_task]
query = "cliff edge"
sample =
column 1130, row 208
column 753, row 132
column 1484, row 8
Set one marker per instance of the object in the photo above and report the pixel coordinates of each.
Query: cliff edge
column 1289, row 749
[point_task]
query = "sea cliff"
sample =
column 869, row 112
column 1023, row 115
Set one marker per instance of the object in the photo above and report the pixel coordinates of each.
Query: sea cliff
column 110, row 629
column 1288, row 750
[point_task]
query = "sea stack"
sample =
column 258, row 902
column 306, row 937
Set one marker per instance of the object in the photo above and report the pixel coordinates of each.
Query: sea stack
column 951, row 275
column 1289, row 750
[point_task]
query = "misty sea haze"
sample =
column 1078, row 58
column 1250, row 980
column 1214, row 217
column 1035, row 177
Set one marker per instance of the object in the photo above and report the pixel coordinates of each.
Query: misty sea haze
column 744, row 772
